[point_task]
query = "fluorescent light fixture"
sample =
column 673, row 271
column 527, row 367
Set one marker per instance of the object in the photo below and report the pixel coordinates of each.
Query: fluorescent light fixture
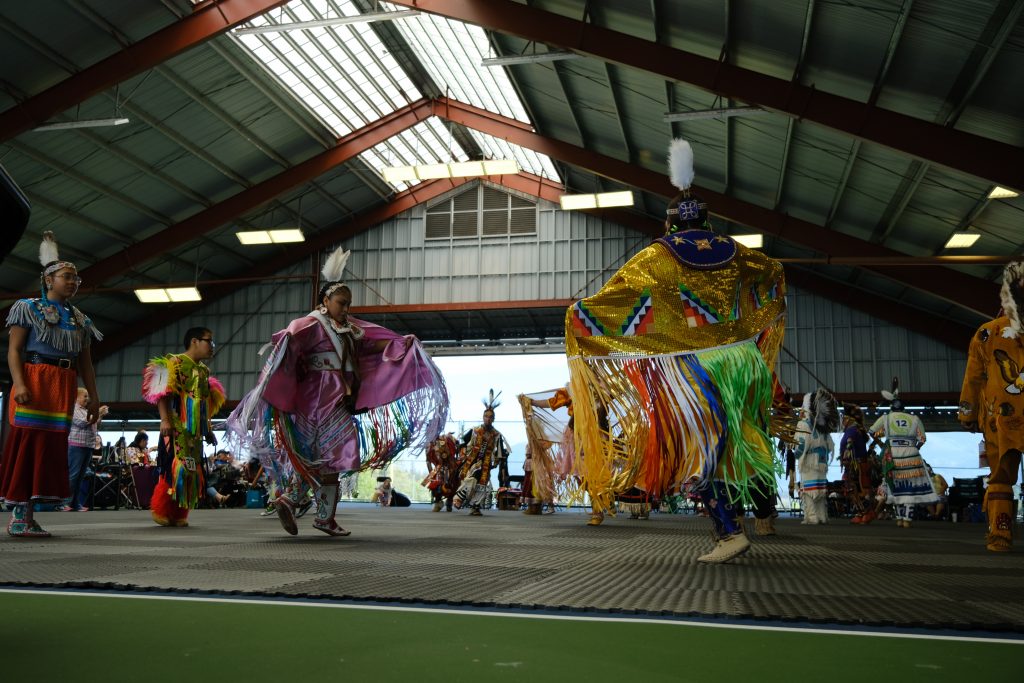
column 87, row 123
column 501, row 167
column 152, row 296
column 399, row 174
column 754, row 241
column 962, row 240
column 286, row 235
column 574, row 202
column 337, row 21
column 623, row 198
column 432, row 171
column 1002, row 193
column 721, row 113
column 458, row 169
column 184, row 294
column 550, row 56
column 465, row 169
column 270, row 236
column 164, row 295
column 254, row 237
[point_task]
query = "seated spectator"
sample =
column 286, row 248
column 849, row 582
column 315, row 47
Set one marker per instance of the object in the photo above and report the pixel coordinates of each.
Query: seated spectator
column 223, row 475
column 937, row 510
column 382, row 494
column 137, row 453
column 252, row 473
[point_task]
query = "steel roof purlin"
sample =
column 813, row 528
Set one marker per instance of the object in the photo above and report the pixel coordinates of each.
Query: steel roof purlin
column 964, row 290
column 403, row 201
column 204, row 23
column 979, row 156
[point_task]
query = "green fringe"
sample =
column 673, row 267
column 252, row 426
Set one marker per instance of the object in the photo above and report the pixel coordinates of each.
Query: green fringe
column 745, row 384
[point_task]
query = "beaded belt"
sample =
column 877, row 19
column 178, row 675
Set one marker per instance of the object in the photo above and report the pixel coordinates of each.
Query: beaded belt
column 323, row 362
column 34, row 358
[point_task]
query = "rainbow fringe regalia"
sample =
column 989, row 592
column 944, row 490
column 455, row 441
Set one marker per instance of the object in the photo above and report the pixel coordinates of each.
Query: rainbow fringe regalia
column 299, row 418
column 671, row 369
column 195, row 397
column 549, row 433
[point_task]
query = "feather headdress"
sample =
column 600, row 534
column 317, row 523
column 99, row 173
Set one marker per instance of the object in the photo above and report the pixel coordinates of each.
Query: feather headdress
column 893, row 396
column 491, row 402
column 334, row 266
column 48, row 252
column 49, row 259
column 686, row 211
column 820, row 411
column 894, row 393
column 680, row 164
column 333, row 270
column 1013, row 279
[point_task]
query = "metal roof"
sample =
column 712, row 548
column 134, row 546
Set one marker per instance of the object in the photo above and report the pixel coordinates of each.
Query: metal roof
column 886, row 124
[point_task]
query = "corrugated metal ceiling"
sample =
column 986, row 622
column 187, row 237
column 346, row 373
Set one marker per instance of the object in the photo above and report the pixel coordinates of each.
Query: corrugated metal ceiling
column 210, row 123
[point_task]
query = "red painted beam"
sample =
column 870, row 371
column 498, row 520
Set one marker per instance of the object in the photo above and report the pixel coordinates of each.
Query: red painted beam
column 461, row 307
column 979, row 156
column 296, row 252
column 953, row 335
column 964, row 290
column 217, row 215
column 204, row 23
column 934, row 327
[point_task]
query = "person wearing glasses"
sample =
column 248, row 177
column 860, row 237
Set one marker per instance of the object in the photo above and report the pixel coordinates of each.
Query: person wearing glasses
column 187, row 397
column 48, row 350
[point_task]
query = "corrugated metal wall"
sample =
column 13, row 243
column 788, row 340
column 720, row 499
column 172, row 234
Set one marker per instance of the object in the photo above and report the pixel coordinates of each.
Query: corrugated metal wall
column 571, row 255
column 851, row 351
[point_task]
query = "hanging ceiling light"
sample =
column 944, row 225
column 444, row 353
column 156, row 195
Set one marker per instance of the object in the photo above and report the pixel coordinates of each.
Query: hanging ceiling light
column 1002, row 193
column 337, row 21
column 962, row 240
column 534, row 58
column 574, row 202
column 458, row 169
column 753, row 241
column 165, row 295
column 721, row 113
column 86, row 123
column 278, row 236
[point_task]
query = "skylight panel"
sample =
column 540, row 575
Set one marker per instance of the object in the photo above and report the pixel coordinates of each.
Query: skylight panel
column 452, row 51
column 330, row 66
column 348, row 78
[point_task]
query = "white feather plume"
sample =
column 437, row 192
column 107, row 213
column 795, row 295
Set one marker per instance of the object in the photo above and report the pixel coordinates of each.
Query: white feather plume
column 680, row 164
column 48, row 252
column 334, row 266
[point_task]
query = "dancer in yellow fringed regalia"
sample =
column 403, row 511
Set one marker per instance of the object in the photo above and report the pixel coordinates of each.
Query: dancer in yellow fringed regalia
column 992, row 401
column 677, row 349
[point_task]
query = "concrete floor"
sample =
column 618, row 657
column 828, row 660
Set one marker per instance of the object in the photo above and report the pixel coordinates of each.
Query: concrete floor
column 933, row 575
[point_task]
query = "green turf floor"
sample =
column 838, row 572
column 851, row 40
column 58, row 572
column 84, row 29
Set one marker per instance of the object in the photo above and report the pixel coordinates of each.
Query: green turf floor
column 60, row 637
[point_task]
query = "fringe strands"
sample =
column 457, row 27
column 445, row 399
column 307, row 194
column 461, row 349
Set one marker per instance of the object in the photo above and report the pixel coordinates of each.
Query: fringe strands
column 188, row 483
column 662, row 422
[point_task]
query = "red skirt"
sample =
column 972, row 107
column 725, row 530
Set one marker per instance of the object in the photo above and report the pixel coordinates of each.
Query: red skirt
column 34, row 465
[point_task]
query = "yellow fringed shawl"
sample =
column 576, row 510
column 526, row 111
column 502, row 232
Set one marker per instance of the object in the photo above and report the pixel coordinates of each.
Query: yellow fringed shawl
column 670, row 371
